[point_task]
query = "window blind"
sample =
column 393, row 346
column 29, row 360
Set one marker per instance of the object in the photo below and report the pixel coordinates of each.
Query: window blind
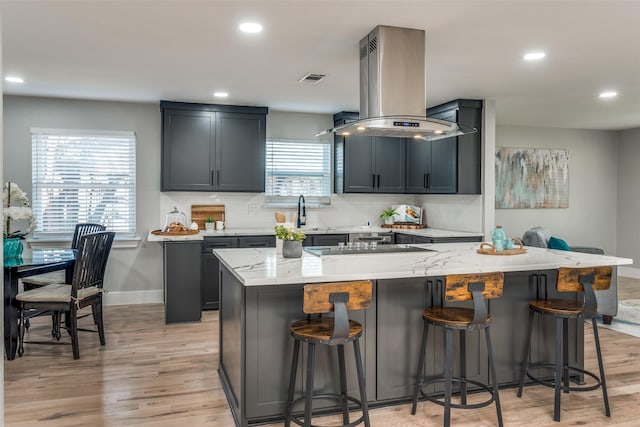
column 295, row 167
column 83, row 176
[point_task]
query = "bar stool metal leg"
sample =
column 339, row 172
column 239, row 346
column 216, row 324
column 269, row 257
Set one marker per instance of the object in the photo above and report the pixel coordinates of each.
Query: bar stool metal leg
column 361, row 383
column 527, row 351
column 603, row 382
column 308, row 393
column 292, row 382
column 558, row 376
column 463, row 367
column 448, row 374
column 494, row 378
column 343, row 384
column 565, row 355
column 423, row 349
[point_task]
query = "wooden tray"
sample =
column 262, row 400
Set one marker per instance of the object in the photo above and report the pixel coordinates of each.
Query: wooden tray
column 489, row 249
column 174, row 233
column 405, row 225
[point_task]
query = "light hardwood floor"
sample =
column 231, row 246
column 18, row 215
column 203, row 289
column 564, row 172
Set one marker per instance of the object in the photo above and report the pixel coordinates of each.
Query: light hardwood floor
column 157, row 375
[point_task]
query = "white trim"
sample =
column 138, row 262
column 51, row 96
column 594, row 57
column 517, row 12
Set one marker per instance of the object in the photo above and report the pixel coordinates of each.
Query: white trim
column 133, row 297
column 629, row 272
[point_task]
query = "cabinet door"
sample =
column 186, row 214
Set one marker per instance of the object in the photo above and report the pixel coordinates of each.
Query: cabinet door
column 403, row 239
column 422, row 239
column 188, row 142
column 390, row 164
column 182, row 282
column 442, row 179
column 359, row 175
column 418, row 166
column 209, row 276
column 257, row 242
column 240, row 152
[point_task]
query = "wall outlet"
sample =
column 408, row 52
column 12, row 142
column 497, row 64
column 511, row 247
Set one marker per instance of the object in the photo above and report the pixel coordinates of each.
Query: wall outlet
column 252, row 209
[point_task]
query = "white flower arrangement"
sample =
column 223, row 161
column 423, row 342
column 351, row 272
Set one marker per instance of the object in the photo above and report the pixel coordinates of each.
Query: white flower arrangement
column 16, row 208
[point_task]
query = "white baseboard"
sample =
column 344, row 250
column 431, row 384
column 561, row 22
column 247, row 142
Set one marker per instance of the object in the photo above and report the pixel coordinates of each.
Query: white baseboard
column 629, row 272
column 133, row 297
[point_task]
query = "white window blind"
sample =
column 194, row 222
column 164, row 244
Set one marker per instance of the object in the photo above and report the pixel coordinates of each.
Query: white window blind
column 295, row 167
column 83, row 176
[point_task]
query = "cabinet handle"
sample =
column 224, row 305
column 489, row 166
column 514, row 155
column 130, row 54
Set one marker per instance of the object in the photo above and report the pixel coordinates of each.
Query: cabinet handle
column 378, row 181
column 373, row 184
column 428, row 183
column 213, row 180
column 218, row 177
column 424, row 180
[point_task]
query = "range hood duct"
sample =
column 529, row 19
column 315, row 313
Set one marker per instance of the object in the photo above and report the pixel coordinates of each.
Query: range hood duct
column 392, row 89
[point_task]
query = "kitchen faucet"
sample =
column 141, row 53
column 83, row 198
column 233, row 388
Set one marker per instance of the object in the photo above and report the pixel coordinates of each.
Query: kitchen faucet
column 302, row 219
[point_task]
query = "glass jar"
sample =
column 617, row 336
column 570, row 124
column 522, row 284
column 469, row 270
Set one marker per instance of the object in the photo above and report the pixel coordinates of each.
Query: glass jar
column 498, row 238
column 176, row 220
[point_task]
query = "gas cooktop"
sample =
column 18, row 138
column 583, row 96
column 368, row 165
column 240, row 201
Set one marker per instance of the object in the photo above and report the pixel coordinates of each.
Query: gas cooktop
column 347, row 250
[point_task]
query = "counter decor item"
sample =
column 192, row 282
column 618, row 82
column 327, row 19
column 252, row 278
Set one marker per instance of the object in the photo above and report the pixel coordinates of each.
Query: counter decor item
column 497, row 238
column 219, row 225
column 176, row 220
column 387, row 216
column 209, row 223
column 291, row 241
column 489, row 249
column 16, row 208
column 407, row 213
column 405, row 225
column 199, row 214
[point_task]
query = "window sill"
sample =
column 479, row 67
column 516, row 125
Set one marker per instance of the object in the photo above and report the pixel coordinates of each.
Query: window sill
column 65, row 243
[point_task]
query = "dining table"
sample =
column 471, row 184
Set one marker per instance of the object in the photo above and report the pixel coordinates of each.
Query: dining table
column 32, row 262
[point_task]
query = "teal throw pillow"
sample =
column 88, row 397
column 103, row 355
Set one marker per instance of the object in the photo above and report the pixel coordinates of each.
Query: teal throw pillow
column 555, row 243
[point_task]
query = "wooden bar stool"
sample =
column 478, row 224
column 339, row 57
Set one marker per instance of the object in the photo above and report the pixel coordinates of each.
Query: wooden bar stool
column 463, row 287
column 319, row 299
column 586, row 280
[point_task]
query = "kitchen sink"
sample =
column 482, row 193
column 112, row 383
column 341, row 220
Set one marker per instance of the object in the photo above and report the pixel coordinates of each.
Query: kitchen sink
column 379, row 249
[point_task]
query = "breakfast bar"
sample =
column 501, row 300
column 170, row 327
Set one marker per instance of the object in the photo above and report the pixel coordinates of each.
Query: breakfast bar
column 261, row 293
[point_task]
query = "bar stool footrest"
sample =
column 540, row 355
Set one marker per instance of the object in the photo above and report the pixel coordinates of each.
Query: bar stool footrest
column 339, row 397
column 483, row 388
column 551, row 384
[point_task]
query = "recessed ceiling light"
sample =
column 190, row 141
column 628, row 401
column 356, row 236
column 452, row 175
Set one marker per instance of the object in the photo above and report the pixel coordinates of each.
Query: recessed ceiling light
column 221, row 94
column 609, row 94
column 250, row 27
column 14, row 79
column 534, row 56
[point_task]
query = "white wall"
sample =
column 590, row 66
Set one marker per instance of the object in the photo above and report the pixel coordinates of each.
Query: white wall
column 591, row 216
column 629, row 196
column 131, row 269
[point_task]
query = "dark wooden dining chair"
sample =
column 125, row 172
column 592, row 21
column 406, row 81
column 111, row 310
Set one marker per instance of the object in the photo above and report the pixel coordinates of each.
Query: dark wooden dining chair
column 33, row 282
column 86, row 290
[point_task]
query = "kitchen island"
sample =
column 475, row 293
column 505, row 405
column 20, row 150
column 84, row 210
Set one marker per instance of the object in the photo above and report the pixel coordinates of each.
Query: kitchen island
column 261, row 293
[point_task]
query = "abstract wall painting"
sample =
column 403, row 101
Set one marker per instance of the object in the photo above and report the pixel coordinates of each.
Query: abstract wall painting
column 532, row 178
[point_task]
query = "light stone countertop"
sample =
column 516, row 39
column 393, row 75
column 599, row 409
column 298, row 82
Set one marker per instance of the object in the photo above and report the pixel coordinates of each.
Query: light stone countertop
column 263, row 266
column 427, row 232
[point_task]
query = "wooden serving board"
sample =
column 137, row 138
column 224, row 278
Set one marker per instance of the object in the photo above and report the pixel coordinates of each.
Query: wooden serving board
column 201, row 212
column 489, row 249
column 405, row 225
column 174, row 233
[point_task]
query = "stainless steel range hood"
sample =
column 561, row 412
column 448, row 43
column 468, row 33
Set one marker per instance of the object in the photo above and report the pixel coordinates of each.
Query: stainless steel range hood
column 392, row 88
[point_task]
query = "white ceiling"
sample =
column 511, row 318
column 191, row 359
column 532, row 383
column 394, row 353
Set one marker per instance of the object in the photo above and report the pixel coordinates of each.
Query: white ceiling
column 146, row 51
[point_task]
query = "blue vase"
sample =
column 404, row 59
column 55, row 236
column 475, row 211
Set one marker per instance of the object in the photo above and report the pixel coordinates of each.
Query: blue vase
column 12, row 248
column 498, row 238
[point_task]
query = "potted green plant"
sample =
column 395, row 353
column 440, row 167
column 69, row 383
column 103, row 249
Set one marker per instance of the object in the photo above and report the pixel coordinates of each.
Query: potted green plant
column 291, row 241
column 209, row 224
column 387, row 215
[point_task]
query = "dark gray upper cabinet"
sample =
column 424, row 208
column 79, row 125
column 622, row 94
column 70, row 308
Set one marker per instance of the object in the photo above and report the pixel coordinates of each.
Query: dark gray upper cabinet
column 208, row 147
column 365, row 164
column 468, row 148
column 431, row 166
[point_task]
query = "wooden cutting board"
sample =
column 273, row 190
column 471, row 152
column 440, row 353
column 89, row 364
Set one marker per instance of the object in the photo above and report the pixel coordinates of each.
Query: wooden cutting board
column 405, row 225
column 201, row 212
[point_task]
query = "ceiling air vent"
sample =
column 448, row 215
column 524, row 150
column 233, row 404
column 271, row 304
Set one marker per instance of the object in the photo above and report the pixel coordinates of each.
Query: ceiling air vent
column 312, row 78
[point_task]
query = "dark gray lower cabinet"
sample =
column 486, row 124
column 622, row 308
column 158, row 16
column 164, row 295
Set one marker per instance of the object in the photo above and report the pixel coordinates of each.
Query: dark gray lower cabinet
column 401, row 238
column 257, row 241
column 210, row 269
column 182, row 282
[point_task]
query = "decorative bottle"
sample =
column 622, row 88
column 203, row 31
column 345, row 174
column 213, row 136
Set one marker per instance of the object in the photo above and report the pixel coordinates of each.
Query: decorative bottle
column 498, row 237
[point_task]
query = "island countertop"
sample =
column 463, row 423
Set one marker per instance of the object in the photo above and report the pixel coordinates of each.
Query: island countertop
column 263, row 266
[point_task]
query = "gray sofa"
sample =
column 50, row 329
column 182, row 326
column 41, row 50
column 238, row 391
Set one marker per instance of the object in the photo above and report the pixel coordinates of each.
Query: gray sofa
column 607, row 300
